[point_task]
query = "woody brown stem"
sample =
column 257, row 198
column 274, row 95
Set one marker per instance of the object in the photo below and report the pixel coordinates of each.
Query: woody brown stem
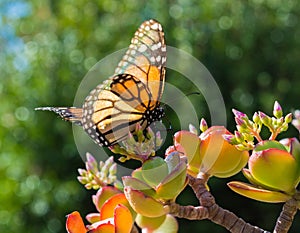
column 188, row 212
column 134, row 229
column 287, row 214
column 217, row 214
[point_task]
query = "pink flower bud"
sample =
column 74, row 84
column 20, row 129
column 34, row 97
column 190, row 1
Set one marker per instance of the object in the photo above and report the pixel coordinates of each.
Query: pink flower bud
column 203, row 125
column 239, row 114
column 238, row 135
column 255, row 118
column 240, row 121
column 91, row 163
column 264, row 118
column 277, row 110
column 228, row 137
column 288, row 118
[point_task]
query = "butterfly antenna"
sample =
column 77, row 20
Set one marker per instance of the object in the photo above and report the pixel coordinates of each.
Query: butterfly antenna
column 170, row 124
column 163, row 105
column 175, row 99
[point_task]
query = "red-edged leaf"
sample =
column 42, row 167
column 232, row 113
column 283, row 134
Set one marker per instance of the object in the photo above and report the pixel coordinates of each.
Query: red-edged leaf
column 75, row 223
column 123, row 219
column 104, row 228
column 107, row 210
column 93, row 217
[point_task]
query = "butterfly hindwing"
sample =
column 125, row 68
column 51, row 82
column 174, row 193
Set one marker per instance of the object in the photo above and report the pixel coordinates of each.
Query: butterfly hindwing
column 68, row 114
column 108, row 115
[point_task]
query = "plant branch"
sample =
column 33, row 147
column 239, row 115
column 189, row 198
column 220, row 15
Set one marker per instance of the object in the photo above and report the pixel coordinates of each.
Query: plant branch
column 217, row 214
column 188, row 212
column 287, row 214
column 134, row 229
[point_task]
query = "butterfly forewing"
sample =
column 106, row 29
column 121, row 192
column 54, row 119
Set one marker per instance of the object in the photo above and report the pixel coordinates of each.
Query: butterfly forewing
column 113, row 108
column 132, row 95
column 146, row 57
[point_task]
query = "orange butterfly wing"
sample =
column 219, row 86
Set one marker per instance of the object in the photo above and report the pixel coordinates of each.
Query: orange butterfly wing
column 132, row 95
column 146, row 58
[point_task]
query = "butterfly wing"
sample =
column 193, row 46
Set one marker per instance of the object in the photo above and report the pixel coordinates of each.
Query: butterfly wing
column 116, row 110
column 133, row 94
column 146, row 58
column 67, row 113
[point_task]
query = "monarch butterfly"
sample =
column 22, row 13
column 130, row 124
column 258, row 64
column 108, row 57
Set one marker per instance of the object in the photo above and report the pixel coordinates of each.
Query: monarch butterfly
column 131, row 96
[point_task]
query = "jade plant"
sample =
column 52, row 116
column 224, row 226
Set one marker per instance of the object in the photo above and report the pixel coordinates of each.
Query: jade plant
column 146, row 199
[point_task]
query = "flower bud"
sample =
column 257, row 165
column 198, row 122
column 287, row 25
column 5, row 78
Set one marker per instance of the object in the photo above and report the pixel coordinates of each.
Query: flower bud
column 238, row 136
column 193, row 129
column 284, row 127
column 230, row 138
column 277, row 110
column 91, row 163
column 203, row 125
column 266, row 120
column 82, row 180
column 242, row 147
column 82, row 172
column 239, row 114
column 288, row 118
column 240, row 122
column 256, row 118
column 113, row 169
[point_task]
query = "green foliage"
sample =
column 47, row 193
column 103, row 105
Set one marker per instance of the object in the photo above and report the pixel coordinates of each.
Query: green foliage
column 250, row 47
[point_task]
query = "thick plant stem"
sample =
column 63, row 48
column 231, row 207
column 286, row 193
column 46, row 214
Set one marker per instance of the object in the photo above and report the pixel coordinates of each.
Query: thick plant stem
column 134, row 229
column 188, row 212
column 287, row 214
column 217, row 214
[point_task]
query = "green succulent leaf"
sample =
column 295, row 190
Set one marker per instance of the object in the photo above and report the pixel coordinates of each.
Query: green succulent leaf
column 143, row 204
column 154, row 171
column 137, row 184
column 258, row 194
column 274, row 168
column 173, row 184
column 264, row 145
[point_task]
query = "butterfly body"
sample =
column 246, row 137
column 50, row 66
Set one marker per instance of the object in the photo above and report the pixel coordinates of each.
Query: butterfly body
column 132, row 95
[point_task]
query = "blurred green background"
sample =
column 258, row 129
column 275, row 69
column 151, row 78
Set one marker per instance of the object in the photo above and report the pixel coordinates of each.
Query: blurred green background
column 252, row 49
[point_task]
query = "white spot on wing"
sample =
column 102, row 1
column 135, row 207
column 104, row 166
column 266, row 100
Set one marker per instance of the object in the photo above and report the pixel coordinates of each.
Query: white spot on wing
column 154, row 47
column 152, row 59
column 142, row 48
column 155, row 26
column 132, row 52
